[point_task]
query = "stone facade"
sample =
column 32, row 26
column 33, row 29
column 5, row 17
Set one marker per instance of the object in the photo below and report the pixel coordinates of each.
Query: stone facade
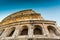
column 28, row 25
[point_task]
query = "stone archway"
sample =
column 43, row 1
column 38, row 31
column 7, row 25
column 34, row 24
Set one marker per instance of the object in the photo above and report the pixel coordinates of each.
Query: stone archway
column 38, row 30
column 24, row 30
column 52, row 31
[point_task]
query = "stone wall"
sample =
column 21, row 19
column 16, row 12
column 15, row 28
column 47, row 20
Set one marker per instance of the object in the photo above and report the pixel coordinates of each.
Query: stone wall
column 36, row 30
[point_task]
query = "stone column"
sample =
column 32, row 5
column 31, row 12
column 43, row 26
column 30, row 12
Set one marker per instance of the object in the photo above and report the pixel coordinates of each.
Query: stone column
column 30, row 31
column 46, row 32
column 6, row 32
column 16, row 33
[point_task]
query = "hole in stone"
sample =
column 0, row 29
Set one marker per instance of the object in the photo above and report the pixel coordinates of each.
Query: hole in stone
column 30, row 39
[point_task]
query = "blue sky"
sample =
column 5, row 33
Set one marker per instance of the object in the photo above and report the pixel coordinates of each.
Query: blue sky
column 49, row 9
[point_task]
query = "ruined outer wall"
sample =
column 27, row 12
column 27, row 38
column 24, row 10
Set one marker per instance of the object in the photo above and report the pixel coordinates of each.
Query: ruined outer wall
column 11, row 27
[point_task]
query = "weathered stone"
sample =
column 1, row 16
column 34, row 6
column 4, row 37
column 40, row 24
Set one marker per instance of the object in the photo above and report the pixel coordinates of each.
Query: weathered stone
column 28, row 25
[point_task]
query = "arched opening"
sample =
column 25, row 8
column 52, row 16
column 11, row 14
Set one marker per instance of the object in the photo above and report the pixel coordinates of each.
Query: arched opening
column 38, row 30
column 12, row 31
column 24, row 31
column 52, row 30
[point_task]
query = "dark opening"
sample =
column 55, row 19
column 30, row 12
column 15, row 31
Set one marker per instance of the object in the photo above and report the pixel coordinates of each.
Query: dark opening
column 13, row 29
column 30, row 39
column 24, row 31
column 38, row 30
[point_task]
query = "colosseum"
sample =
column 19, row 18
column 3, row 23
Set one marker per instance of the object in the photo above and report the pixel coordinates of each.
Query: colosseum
column 28, row 25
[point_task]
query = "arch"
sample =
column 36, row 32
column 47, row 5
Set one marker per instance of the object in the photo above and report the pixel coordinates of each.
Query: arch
column 38, row 30
column 24, row 30
column 52, row 31
column 12, row 31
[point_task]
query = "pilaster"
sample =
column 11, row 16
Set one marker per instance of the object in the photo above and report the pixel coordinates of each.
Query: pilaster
column 16, row 33
column 30, row 31
column 46, row 32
